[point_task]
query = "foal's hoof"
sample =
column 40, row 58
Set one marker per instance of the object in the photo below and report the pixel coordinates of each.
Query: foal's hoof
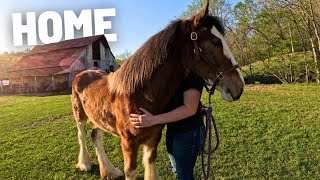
column 115, row 174
column 83, row 166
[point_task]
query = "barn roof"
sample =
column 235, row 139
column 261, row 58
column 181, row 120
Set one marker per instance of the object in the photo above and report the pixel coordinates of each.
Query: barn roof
column 49, row 59
column 3, row 75
column 68, row 44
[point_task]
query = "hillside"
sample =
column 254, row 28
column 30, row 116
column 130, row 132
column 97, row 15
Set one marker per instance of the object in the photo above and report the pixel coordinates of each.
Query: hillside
column 289, row 68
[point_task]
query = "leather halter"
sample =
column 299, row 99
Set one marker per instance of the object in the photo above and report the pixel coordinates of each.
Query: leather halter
column 198, row 54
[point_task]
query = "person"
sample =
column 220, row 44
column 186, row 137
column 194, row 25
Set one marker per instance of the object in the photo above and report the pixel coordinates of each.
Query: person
column 184, row 125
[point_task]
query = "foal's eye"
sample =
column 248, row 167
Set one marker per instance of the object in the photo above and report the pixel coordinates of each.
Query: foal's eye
column 216, row 42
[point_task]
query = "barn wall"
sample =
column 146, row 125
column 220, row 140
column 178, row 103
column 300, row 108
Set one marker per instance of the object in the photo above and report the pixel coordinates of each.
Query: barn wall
column 61, row 78
column 76, row 67
column 89, row 58
column 103, row 62
column 39, row 84
column 111, row 60
column 5, row 90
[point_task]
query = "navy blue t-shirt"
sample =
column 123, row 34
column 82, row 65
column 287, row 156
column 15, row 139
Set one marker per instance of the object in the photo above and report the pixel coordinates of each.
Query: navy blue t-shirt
column 192, row 122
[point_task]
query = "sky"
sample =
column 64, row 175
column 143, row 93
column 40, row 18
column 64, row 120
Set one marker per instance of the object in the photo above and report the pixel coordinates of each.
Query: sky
column 134, row 23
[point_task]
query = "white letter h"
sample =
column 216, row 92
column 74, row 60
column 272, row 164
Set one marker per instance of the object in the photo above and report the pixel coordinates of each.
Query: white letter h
column 30, row 29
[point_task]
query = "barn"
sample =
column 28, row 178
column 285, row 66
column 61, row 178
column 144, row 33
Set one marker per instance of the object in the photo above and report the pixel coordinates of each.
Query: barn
column 52, row 67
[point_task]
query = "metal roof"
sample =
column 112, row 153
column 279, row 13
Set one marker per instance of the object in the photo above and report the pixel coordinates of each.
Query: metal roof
column 45, row 60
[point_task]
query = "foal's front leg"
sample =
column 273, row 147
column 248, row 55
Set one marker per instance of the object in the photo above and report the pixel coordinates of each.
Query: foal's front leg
column 107, row 169
column 130, row 152
column 150, row 155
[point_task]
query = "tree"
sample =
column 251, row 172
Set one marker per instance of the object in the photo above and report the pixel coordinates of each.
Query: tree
column 121, row 58
column 124, row 56
column 281, row 36
column 219, row 8
column 243, row 15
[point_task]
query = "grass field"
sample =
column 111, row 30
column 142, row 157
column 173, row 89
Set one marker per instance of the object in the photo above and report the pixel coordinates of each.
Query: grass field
column 273, row 132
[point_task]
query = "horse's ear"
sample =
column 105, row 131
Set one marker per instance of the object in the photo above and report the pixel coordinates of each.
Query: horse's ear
column 201, row 15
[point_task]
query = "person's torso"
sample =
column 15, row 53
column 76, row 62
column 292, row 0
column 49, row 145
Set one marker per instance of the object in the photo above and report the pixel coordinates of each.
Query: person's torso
column 192, row 122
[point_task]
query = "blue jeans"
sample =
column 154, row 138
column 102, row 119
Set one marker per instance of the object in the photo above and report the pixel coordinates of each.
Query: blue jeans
column 183, row 149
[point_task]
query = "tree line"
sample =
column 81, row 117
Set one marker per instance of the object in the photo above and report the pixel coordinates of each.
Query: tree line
column 7, row 60
column 274, row 40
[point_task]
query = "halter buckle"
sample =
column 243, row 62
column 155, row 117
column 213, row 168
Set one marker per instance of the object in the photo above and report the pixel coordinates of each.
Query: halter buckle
column 194, row 50
column 220, row 76
column 194, row 36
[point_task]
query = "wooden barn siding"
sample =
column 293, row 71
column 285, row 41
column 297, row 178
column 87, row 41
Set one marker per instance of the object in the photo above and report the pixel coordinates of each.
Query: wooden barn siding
column 32, row 84
column 88, row 60
column 77, row 66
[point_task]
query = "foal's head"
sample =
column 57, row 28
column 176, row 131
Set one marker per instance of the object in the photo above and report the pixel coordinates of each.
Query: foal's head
column 213, row 59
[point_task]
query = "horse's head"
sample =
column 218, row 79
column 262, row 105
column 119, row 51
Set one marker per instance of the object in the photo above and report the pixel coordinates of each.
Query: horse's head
column 213, row 59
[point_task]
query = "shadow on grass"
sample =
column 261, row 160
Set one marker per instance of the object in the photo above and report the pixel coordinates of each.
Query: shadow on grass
column 96, row 171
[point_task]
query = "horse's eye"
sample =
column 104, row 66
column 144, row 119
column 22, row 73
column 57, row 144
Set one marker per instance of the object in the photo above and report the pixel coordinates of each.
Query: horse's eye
column 216, row 42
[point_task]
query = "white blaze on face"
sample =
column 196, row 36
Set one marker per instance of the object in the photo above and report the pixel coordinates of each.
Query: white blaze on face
column 226, row 49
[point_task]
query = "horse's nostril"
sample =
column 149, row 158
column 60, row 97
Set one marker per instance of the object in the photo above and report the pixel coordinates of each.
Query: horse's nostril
column 238, row 97
column 228, row 91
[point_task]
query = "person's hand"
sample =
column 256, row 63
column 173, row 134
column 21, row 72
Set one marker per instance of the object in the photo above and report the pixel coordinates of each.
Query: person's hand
column 142, row 121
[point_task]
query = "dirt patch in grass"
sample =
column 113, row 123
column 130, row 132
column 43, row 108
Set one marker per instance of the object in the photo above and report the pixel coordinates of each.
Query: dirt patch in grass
column 263, row 87
column 44, row 121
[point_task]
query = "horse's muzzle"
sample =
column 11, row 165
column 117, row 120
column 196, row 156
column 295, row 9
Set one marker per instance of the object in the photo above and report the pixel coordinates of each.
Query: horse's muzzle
column 238, row 96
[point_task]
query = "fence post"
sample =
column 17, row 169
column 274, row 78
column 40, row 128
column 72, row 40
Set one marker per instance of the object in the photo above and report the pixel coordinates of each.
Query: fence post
column 1, row 85
column 21, row 85
column 53, row 82
column 35, row 84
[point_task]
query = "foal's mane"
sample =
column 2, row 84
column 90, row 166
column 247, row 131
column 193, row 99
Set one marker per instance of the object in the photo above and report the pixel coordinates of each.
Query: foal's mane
column 138, row 69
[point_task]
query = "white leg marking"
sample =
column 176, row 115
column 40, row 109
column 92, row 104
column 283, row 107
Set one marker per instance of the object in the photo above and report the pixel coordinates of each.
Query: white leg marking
column 84, row 163
column 132, row 175
column 150, row 169
column 107, row 169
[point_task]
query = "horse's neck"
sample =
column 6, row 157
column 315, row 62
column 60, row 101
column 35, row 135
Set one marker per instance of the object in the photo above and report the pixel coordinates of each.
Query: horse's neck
column 163, row 85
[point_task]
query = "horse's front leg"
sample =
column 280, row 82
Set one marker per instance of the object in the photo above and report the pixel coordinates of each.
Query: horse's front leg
column 107, row 169
column 150, row 155
column 130, row 152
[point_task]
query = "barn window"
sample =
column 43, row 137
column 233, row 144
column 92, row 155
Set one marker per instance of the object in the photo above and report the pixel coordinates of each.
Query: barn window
column 111, row 68
column 95, row 64
column 96, row 50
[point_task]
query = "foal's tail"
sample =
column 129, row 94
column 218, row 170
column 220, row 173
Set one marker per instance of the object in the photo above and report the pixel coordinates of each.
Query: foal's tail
column 77, row 108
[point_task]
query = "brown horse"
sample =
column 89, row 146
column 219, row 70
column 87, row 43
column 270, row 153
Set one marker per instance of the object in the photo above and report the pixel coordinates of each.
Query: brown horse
column 149, row 79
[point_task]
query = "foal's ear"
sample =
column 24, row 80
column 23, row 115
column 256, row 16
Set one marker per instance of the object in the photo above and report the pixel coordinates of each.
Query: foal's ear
column 201, row 15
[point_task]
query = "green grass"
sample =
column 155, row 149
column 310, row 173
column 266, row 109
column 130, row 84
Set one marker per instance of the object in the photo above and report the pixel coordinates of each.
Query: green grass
column 273, row 132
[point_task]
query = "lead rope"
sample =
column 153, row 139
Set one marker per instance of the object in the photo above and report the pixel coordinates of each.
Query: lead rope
column 208, row 137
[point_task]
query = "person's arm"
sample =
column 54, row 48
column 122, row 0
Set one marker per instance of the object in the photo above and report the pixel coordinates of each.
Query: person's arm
column 191, row 99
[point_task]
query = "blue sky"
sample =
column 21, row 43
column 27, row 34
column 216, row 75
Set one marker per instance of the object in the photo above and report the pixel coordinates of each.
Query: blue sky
column 134, row 23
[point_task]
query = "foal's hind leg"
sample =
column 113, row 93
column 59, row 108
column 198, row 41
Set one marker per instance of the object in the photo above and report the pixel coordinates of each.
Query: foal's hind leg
column 84, row 163
column 81, row 120
column 107, row 169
